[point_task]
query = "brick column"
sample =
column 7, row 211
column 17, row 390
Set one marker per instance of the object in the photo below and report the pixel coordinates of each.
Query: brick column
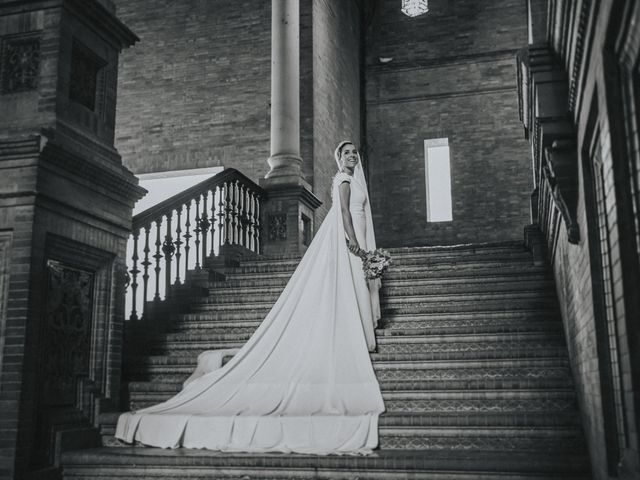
column 65, row 216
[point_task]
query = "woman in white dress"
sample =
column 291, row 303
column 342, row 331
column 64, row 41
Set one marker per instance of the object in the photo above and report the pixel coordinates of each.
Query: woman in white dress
column 304, row 381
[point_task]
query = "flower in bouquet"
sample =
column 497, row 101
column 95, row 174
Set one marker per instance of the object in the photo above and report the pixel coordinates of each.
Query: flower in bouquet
column 375, row 263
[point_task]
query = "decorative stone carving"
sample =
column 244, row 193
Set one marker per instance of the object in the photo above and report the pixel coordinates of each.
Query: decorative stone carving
column 20, row 63
column 67, row 331
column 278, row 227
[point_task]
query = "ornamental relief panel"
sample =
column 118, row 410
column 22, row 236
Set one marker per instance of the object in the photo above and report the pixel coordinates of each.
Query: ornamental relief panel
column 20, row 63
column 277, row 225
column 66, row 332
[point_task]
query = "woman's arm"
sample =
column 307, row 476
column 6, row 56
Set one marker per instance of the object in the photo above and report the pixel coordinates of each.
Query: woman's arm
column 345, row 196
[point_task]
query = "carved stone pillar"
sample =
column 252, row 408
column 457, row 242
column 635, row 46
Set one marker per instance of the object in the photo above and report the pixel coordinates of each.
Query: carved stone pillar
column 288, row 214
column 65, row 215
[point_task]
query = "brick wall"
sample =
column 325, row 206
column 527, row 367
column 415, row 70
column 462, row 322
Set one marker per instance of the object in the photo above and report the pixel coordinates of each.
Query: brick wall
column 604, row 120
column 336, row 87
column 451, row 74
column 195, row 91
column 572, row 266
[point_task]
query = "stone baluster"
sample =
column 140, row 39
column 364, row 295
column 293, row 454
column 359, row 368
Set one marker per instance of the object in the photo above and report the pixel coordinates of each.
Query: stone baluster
column 197, row 231
column 178, row 243
column 204, row 225
column 187, row 237
column 134, row 276
column 158, row 257
column 145, row 270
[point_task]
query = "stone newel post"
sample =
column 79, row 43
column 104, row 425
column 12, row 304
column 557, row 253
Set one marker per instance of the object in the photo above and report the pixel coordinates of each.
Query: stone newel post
column 288, row 214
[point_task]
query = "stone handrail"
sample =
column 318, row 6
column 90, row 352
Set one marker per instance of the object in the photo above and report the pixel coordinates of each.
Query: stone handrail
column 222, row 210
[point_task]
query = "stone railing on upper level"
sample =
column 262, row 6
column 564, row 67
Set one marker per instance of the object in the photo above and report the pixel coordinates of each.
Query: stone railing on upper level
column 178, row 234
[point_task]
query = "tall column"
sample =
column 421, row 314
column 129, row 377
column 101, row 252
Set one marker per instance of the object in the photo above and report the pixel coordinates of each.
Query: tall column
column 285, row 89
column 287, row 217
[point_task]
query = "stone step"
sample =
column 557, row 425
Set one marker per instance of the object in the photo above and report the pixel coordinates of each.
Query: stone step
column 499, row 401
column 399, row 263
column 486, row 437
column 482, row 438
column 390, row 328
column 146, row 393
column 380, row 365
column 504, row 295
column 415, row 375
column 395, row 289
column 109, row 420
column 462, row 249
column 424, row 254
column 478, row 419
column 159, row 464
column 518, row 312
column 417, row 272
column 430, row 340
column 494, row 301
column 256, row 312
column 448, row 276
column 469, row 322
column 512, row 304
column 402, row 352
column 405, row 347
column 398, row 324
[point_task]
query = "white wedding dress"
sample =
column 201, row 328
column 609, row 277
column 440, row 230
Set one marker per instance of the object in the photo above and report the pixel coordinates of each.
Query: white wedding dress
column 304, row 381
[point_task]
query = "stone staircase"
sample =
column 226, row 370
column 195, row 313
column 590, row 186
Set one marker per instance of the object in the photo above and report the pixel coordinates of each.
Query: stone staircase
column 471, row 360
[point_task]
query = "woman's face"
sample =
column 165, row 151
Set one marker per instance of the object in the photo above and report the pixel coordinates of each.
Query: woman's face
column 349, row 156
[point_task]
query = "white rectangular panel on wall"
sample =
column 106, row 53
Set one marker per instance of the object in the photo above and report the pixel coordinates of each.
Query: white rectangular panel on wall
column 437, row 171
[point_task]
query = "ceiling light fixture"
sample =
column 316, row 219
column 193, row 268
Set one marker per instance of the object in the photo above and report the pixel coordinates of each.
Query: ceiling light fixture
column 413, row 8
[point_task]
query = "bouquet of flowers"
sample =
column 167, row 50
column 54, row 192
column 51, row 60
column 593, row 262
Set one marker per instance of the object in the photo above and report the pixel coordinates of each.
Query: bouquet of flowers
column 375, row 263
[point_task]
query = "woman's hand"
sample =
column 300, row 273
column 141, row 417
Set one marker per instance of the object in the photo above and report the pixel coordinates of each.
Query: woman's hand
column 354, row 248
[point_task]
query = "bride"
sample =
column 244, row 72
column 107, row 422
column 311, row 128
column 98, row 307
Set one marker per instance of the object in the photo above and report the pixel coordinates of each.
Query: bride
column 304, row 381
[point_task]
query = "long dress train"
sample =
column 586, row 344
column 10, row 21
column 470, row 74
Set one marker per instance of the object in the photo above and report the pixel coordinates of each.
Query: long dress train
column 304, row 381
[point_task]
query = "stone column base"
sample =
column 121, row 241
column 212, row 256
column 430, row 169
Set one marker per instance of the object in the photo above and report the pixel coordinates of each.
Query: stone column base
column 287, row 216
